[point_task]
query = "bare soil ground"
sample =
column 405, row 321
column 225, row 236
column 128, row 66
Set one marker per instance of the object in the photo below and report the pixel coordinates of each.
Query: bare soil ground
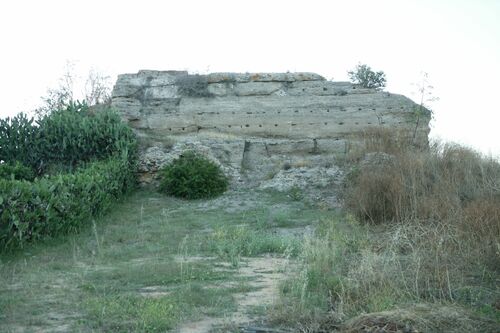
column 263, row 275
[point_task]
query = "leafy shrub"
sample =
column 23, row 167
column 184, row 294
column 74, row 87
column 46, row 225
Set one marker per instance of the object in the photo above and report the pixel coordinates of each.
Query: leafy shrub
column 296, row 193
column 62, row 203
column 64, row 137
column 18, row 140
column 98, row 147
column 16, row 171
column 366, row 77
column 76, row 135
column 192, row 176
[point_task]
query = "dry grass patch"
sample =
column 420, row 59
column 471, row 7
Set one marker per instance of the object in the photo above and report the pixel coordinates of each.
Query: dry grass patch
column 419, row 318
column 422, row 227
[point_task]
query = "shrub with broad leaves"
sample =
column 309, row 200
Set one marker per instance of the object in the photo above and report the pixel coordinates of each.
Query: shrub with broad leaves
column 192, row 176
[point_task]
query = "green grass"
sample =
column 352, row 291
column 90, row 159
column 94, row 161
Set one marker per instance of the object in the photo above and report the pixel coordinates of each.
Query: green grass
column 123, row 274
column 231, row 243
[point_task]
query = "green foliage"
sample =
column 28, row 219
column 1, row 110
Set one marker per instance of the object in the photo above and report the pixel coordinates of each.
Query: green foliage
column 233, row 242
column 18, row 140
column 296, row 193
column 16, row 171
column 97, row 146
column 133, row 314
column 366, row 77
column 62, row 203
column 76, row 135
column 192, row 176
column 65, row 137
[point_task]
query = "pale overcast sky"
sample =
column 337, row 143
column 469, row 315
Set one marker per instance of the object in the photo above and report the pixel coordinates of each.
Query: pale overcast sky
column 456, row 42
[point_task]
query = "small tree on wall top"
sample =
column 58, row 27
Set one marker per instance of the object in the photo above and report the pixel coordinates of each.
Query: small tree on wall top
column 363, row 75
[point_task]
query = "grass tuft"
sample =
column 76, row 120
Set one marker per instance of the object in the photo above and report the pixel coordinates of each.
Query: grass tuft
column 232, row 243
column 422, row 226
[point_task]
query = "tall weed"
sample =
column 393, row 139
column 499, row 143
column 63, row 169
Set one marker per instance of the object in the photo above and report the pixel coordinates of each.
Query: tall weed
column 422, row 226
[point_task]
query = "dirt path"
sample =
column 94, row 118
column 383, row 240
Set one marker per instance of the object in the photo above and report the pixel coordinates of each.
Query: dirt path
column 264, row 274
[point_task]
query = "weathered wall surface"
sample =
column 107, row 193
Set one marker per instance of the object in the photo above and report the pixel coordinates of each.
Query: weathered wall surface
column 253, row 123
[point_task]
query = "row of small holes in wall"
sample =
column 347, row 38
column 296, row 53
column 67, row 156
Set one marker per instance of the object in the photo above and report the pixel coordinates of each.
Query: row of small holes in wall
column 324, row 89
column 295, row 111
column 311, row 124
column 276, row 125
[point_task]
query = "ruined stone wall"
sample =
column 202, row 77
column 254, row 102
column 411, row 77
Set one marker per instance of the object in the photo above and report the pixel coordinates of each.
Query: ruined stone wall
column 253, row 123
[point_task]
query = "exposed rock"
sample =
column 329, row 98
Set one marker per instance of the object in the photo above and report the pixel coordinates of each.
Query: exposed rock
column 149, row 78
column 304, row 177
column 256, row 88
column 161, row 92
column 220, row 89
column 254, row 123
column 263, row 77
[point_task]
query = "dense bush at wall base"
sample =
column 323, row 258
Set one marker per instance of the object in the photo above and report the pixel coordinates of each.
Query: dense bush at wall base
column 64, row 139
column 193, row 176
column 61, row 203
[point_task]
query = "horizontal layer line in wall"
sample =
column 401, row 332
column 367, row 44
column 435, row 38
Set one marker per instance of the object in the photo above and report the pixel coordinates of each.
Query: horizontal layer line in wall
column 246, row 126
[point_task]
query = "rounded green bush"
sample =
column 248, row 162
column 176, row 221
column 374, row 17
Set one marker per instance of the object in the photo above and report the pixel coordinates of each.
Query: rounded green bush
column 192, row 176
column 16, row 170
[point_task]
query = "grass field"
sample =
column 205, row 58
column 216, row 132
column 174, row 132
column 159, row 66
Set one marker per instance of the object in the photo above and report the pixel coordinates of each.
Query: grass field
column 150, row 265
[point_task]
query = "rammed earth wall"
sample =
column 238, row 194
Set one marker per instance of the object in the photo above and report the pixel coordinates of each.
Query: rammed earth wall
column 253, row 123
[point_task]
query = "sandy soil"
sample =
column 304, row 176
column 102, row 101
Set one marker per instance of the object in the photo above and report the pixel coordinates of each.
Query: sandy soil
column 264, row 274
